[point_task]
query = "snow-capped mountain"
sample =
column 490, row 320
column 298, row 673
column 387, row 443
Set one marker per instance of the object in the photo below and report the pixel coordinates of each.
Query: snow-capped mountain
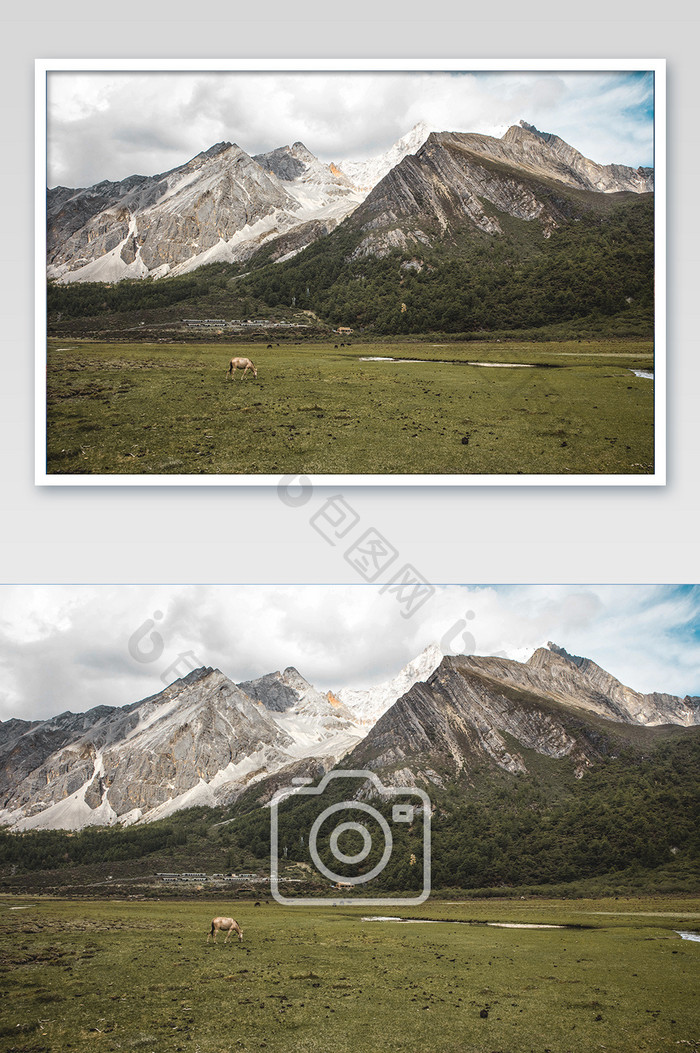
column 318, row 724
column 204, row 740
column 366, row 174
column 201, row 741
column 222, row 205
column 171, row 750
column 370, row 704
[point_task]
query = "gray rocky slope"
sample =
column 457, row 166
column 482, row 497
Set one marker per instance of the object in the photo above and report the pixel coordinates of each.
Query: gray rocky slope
column 477, row 711
column 203, row 740
column 125, row 763
column 206, row 740
column 459, row 181
column 223, row 205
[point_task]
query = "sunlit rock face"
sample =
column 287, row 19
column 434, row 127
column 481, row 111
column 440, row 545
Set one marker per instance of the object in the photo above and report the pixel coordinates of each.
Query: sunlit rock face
column 475, row 711
column 224, row 205
column 205, row 740
column 457, row 181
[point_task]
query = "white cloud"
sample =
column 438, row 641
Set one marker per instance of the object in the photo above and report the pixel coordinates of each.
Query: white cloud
column 110, row 125
column 67, row 647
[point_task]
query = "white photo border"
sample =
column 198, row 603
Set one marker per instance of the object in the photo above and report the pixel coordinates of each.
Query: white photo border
column 43, row 67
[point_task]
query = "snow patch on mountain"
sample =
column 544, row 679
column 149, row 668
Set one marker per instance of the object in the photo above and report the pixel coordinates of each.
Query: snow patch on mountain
column 202, row 741
column 222, row 206
column 107, row 268
column 70, row 813
column 366, row 174
column 370, row 704
column 220, row 789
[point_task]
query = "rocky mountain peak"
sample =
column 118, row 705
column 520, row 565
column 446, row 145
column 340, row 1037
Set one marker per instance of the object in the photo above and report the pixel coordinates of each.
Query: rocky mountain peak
column 576, row 659
column 282, row 162
column 271, row 691
column 369, row 704
column 299, row 151
column 475, row 709
column 180, row 686
column 293, row 679
column 292, row 671
column 204, row 739
column 524, row 132
column 545, row 136
column 213, row 152
column 544, row 657
column 218, row 148
column 200, row 673
column 588, row 685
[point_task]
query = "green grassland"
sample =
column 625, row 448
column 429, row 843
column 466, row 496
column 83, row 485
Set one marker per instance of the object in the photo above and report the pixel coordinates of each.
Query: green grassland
column 141, row 976
column 115, row 408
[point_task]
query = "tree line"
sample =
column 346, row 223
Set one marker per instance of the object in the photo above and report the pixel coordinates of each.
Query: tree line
column 598, row 266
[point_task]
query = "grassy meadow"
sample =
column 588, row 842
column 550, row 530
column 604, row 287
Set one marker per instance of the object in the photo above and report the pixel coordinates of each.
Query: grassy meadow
column 141, row 976
column 168, row 409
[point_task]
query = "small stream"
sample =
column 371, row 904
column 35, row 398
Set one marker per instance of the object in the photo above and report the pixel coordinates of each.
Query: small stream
column 460, row 362
column 645, row 373
column 460, row 921
column 694, row 936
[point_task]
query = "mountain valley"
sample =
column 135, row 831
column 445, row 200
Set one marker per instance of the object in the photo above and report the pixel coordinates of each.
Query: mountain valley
column 548, row 770
column 205, row 740
column 201, row 741
column 445, row 232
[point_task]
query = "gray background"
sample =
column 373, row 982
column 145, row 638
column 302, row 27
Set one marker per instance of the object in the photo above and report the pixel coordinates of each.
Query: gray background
column 489, row 534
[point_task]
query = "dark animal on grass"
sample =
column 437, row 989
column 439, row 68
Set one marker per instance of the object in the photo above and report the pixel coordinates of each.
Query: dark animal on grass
column 240, row 363
column 227, row 925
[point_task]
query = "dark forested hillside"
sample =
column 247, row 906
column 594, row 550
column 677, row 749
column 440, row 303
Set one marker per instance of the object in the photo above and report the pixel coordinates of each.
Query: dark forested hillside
column 633, row 815
column 600, row 263
column 598, row 267
column 633, row 810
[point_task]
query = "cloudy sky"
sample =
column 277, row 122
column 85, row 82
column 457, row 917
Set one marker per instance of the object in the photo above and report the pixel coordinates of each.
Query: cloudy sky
column 74, row 647
column 109, row 125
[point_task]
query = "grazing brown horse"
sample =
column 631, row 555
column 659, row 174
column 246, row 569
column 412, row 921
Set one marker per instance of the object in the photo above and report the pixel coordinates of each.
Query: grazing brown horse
column 240, row 363
column 227, row 925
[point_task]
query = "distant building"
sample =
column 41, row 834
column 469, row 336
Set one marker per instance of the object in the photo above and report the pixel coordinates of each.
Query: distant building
column 186, row 876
